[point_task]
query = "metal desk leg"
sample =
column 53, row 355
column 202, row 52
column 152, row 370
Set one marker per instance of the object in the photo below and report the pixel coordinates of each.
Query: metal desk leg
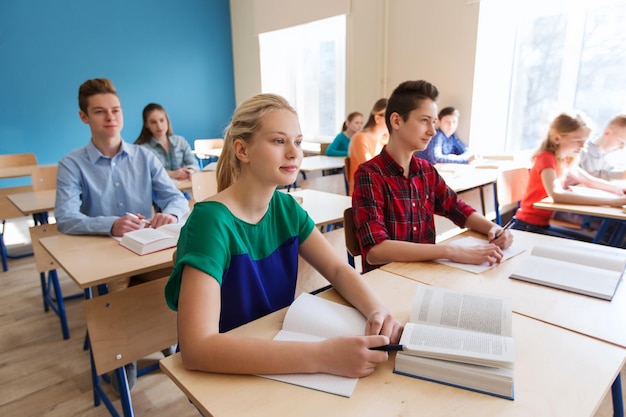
column 497, row 203
column 616, row 393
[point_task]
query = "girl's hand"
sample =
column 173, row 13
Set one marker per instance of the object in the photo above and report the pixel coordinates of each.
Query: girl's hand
column 383, row 323
column 351, row 356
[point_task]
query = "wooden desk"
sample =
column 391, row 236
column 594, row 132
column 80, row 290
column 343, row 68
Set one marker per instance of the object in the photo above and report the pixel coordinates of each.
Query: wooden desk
column 33, row 202
column 590, row 316
column 546, row 383
column 183, row 185
column 321, row 163
column 324, row 208
column 207, row 153
column 95, row 260
column 311, row 148
column 607, row 213
column 466, row 178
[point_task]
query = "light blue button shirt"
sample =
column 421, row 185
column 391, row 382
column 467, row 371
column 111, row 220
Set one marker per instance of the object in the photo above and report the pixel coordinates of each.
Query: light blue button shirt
column 94, row 190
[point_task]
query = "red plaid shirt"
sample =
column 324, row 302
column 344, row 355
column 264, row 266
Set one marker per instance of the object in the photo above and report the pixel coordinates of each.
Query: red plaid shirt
column 389, row 206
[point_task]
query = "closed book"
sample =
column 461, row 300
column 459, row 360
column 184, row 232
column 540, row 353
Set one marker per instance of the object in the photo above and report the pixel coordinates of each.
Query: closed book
column 148, row 240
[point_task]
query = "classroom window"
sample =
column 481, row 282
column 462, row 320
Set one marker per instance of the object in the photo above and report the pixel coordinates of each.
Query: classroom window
column 306, row 65
column 552, row 56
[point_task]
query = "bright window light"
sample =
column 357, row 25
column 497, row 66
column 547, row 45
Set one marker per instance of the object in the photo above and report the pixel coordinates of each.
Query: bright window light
column 541, row 58
column 306, row 65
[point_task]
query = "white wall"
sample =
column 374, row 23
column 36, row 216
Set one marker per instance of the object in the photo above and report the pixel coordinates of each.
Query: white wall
column 387, row 42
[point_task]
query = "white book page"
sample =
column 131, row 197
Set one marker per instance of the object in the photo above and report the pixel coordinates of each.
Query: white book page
column 597, row 257
column 146, row 235
column 311, row 318
column 319, row 317
column 334, row 384
column 582, row 279
column 476, row 269
column 172, row 229
column 458, row 345
column 463, row 310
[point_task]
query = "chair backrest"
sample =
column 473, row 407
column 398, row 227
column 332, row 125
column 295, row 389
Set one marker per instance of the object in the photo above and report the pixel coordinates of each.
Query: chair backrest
column 44, row 262
column 346, row 173
column 352, row 244
column 200, row 145
column 7, row 208
column 44, row 177
column 203, row 184
column 323, row 147
column 128, row 325
column 511, row 187
column 17, row 160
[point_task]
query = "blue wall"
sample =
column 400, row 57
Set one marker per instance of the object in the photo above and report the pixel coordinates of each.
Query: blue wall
column 176, row 53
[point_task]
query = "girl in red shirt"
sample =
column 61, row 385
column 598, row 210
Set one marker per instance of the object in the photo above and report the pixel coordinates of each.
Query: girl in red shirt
column 554, row 172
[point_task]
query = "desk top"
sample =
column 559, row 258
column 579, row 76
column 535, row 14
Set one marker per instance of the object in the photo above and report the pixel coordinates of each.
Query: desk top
column 34, row 201
column 15, row 172
column 599, row 211
column 311, row 148
column 183, row 184
column 469, row 178
column 324, row 208
column 590, row 316
column 321, row 162
column 42, row 201
column 541, row 349
column 94, row 260
column 208, row 152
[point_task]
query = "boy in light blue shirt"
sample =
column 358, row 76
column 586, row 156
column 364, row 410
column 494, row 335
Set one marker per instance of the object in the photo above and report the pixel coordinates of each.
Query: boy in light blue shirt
column 108, row 186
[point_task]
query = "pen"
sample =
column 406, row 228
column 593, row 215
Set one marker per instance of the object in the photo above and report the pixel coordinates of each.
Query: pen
column 144, row 221
column 506, row 226
column 388, row 348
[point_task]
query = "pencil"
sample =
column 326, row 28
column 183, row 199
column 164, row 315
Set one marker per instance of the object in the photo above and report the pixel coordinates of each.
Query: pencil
column 144, row 221
column 506, row 226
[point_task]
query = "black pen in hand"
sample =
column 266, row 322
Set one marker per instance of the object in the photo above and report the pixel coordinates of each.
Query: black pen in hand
column 506, row 226
column 388, row 348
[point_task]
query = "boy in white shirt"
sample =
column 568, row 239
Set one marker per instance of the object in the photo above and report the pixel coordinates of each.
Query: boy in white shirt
column 592, row 157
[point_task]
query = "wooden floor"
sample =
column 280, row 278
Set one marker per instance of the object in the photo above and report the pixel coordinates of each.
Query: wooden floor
column 43, row 375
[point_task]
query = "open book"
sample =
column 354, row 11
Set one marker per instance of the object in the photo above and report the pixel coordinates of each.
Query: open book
column 509, row 252
column 460, row 339
column 150, row 240
column 590, row 270
column 312, row 318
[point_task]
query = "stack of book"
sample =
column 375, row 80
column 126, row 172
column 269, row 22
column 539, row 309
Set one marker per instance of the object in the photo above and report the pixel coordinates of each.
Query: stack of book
column 459, row 339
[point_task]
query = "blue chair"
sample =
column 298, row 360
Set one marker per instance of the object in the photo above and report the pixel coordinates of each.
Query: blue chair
column 50, row 286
